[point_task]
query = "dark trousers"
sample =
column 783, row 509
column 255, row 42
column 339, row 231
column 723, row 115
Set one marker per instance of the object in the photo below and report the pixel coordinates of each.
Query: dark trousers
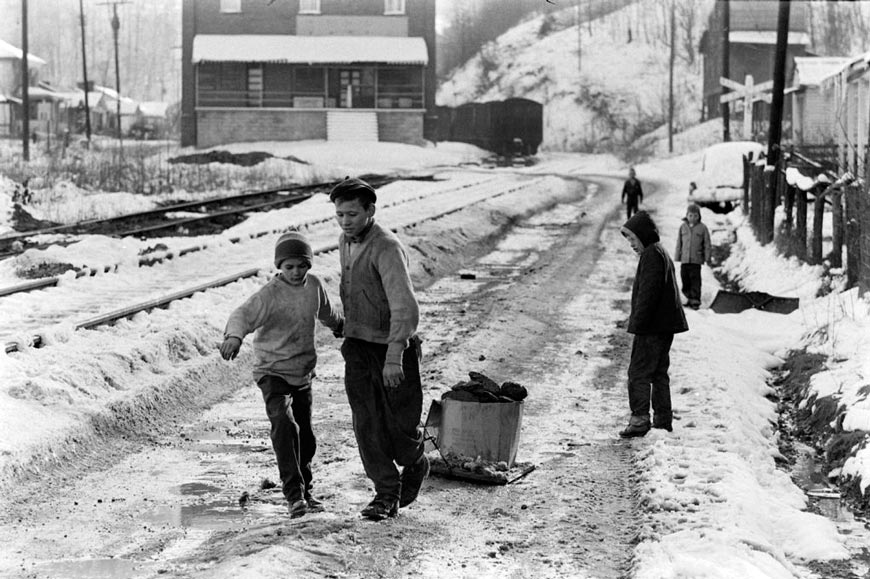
column 630, row 208
column 289, row 411
column 690, row 276
column 648, row 380
column 386, row 421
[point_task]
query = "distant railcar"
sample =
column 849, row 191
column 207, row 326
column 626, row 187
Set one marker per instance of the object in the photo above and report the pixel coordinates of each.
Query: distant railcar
column 509, row 127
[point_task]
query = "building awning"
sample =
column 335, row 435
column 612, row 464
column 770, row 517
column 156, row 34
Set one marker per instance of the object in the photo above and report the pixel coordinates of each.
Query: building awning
column 309, row 49
column 766, row 37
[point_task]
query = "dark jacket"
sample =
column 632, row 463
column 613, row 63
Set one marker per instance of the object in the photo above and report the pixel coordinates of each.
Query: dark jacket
column 632, row 192
column 655, row 297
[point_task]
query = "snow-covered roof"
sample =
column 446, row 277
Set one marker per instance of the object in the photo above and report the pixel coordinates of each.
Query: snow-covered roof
column 855, row 65
column 765, row 37
column 309, row 49
column 812, row 70
column 153, row 108
column 9, row 51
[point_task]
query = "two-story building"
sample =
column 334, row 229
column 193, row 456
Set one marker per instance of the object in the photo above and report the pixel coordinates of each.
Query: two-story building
column 266, row 70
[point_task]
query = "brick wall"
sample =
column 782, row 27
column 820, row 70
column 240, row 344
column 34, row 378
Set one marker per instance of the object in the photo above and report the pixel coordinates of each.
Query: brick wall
column 401, row 127
column 243, row 125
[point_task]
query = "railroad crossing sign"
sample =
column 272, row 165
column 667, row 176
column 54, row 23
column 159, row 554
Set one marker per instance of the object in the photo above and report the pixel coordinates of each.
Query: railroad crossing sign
column 748, row 93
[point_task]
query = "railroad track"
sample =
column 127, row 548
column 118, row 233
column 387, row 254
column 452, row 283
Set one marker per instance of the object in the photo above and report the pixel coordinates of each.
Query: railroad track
column 428, row 205
column 210, row 216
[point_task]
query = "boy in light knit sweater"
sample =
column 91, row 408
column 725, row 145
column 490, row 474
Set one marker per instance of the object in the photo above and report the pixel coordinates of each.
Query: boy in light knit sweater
column 282, row 313
column 381, row 351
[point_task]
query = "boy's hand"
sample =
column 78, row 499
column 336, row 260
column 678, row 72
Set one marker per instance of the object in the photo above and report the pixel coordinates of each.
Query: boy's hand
column 393, row 375
column 230, row 348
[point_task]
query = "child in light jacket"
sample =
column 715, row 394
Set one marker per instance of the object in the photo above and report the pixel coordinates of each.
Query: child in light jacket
column 693, row 250
column 283, row 313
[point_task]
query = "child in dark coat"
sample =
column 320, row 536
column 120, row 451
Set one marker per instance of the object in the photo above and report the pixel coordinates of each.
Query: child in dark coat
column 283, row 314
column 632, row 193
column 656, row 315
column 693, row 250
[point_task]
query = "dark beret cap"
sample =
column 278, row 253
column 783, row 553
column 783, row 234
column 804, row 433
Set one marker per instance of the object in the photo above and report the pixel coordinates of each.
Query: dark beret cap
column 353, row 188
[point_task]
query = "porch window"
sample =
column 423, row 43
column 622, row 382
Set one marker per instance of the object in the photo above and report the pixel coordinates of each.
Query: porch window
column 309, row 6
column 309, row 87
column 394, row 7
column 231, row 6
column 222, row 84
column 400, row 88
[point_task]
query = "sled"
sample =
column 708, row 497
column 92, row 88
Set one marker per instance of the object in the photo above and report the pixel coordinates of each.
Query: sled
column 729, row 302
column 448, row 465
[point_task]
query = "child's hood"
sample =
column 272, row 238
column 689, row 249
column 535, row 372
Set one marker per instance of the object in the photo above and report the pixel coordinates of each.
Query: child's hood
column 642, row 225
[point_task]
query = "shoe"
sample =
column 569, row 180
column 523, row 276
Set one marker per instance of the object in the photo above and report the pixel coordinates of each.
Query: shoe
column 412, row 480
column 664, row 423
column 297, row 508
column 380, row 509
column 637, row 426
column 314, row 505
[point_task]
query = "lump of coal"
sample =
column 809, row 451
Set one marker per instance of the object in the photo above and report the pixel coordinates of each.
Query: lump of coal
column 462, row 395
column 513, row 391
column 485, row 382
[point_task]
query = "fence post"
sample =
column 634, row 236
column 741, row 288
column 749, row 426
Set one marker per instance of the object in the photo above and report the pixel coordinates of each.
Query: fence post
column 816, row 239
column 747, row 183
column 801, row 224
column 837, row 234
column 853, row 235
column 755, row 185
column 768, row 203
column 789, row 208
column 864, row 233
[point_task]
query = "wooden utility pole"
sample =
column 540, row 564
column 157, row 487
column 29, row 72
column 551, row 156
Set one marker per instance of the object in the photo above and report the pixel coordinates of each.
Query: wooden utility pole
column 116, row 26
column 85, row 74
column 726, row 66
column 25, row 86
column 775, row 137
column 671, row 80
column 579, row 37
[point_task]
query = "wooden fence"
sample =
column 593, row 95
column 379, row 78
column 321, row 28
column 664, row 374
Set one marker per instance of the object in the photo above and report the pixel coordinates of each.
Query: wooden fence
column 801, row 232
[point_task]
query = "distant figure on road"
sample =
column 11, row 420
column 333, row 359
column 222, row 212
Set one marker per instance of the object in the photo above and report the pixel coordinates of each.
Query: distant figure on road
column 693, row 250
column 656, row 315
column 283, row 312
column 381, row 351
column 632, row 194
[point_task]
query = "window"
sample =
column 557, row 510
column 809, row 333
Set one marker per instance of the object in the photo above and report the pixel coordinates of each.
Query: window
column 231, row 6
column 309, row 6
column 394, row 6
column 400, row 88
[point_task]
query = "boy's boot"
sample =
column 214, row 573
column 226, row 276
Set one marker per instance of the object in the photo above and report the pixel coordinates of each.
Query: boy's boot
column 638, row 425
column 297, row 508
column 663, row 421
column 412, row 480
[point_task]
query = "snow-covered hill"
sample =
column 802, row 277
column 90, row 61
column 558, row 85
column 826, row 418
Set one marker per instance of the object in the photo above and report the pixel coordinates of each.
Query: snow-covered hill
column 606, row 97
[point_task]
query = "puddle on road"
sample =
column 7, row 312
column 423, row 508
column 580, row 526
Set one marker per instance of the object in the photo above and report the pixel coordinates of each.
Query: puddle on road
column 95, row 569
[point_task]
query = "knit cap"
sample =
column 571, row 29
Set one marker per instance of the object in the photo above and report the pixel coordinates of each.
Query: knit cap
column 292, row 244
column 353, row 188
column 693, row 208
